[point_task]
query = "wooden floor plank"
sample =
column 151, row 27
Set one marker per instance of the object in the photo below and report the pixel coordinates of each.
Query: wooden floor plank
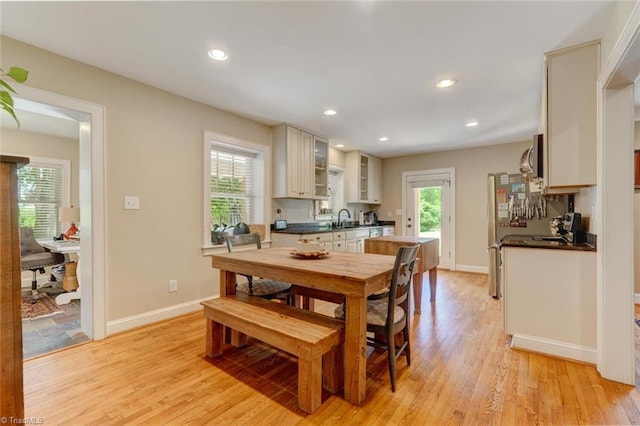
column 462, row 372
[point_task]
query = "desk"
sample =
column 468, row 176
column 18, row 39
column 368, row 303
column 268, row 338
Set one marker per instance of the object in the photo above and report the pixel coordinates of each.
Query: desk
column 354, row 275
column 66, row 248
column 428, row 260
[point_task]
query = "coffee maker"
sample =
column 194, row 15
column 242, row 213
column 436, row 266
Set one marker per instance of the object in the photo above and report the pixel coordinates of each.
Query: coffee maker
column 572, row 227
column 371, row 218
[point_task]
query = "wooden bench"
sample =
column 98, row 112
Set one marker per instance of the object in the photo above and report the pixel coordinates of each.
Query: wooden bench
column 316, row 340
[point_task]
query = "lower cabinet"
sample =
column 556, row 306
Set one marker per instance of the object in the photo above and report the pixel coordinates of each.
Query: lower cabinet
column 290, row 240
column 549, row 301
column 355, row 240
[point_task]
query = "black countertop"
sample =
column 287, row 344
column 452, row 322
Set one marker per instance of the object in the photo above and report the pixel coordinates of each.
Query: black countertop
column 312, row 228
column 544, row 242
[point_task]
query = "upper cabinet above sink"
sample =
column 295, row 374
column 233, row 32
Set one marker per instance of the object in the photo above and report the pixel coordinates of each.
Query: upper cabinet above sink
column 363, row 178
column 571, row 131
column 300, row 164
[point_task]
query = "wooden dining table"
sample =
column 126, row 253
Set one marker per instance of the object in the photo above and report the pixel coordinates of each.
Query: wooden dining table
column 354, row 275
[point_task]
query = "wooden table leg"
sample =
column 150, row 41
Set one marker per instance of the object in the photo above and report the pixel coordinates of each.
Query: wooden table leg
column 433, row 279
column 355, row 362
column 417, row 292
column 228, row 287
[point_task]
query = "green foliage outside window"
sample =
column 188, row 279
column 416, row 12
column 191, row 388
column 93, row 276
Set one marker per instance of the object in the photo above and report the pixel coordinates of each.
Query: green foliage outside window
column 224, row 205
column 430, row 207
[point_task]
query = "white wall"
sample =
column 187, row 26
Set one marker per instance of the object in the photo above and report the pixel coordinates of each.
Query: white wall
column 27, row 144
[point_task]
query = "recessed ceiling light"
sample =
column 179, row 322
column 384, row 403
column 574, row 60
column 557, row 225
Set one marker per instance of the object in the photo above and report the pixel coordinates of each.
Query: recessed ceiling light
column 472, row 123
column 218, row 54
column 339, row 145
column 447, row 82
column 330, row 112
column 383, row 139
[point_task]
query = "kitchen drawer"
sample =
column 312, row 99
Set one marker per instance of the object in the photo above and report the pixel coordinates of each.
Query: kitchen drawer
column 388, row 230
column 320, row 237
column 339, row 236
column 357, row 234
column 339, row 246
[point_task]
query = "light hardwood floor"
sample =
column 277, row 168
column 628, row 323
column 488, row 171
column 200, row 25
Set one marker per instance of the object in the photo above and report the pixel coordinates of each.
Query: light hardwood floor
column 462, row 372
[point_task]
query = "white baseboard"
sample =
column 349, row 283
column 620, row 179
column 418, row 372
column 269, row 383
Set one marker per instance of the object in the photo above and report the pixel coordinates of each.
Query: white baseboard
column 150, row 317
column 553, row 347
column 636, row 298
column 474, row 269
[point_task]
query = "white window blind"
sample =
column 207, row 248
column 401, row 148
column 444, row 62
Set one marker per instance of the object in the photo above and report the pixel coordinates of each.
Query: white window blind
column 39, row 196
column 232, row 183
column 335, row 200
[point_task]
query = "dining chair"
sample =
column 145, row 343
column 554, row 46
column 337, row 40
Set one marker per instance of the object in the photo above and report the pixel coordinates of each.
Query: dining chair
column 262, row 287
column 387, row 317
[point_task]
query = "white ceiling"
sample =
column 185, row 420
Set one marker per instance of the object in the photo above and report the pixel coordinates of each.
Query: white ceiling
column 376, row 63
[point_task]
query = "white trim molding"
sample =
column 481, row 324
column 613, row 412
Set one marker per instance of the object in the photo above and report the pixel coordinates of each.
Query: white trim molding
column 146, row 318
column 92, row 162
column 473, row 269
column 615, row 294
column 552, row 347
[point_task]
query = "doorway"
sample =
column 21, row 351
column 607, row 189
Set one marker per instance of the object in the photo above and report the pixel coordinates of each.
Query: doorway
column 429, row 209
column 90, row 118
column 615, row 310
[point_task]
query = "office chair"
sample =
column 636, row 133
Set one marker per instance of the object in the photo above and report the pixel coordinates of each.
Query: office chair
column 34, row 257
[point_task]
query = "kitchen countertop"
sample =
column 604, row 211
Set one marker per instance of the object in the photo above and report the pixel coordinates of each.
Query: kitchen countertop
column 317, row 229
column 538, row 242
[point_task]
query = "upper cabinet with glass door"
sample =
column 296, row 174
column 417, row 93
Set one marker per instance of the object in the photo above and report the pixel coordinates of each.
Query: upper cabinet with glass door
column 363, row 178
column 321, row 163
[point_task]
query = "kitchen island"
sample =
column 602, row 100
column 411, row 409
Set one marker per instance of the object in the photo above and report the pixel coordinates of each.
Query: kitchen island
column 549, row 298
column 428, row 259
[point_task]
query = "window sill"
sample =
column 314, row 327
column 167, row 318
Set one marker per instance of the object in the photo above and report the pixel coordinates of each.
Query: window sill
column 222, row 248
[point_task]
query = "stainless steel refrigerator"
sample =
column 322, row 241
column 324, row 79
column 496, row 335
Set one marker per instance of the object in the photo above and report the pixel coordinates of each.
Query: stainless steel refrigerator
column 515, row 207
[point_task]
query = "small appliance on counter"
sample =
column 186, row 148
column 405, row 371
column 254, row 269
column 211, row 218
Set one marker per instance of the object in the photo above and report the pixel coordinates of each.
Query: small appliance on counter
column 370, row 218
column 572, row 226
column 569, row 227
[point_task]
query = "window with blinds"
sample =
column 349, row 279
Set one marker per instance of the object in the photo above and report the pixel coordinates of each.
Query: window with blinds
column 335, row 200
column 39, row 196
column 232, row 183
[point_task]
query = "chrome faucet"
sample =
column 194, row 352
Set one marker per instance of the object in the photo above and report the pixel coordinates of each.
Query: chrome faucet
column 339, row 213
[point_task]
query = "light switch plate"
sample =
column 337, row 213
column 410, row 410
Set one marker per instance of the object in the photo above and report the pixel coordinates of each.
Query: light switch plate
column 131, row 202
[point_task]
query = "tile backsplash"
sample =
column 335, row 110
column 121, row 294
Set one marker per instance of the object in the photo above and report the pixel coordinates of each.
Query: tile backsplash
column 300, row 211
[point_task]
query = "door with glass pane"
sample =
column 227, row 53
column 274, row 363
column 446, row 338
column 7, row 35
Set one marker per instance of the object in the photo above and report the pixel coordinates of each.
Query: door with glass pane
column 428, row 210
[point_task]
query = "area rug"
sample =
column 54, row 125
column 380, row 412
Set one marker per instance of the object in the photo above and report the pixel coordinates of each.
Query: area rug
column 45, row 307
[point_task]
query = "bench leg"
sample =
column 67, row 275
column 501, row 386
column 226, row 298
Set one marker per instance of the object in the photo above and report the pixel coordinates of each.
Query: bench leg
column 309, row 384
column 238, row 339
column 215, row 339
column 333, row 369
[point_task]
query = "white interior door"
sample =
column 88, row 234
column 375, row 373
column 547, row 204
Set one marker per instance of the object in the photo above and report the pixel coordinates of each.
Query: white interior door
column 428, row 209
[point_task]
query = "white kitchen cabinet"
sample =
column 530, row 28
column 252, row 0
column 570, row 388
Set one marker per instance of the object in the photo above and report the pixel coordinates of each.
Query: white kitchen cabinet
column 375, row 180
column 363, row 178
column 279, row 239
column 321, row 168
column 339, row 241
column 355, row 240
column 571, row 133
column 549, row 301
column 388, row 231
column 298, row 172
